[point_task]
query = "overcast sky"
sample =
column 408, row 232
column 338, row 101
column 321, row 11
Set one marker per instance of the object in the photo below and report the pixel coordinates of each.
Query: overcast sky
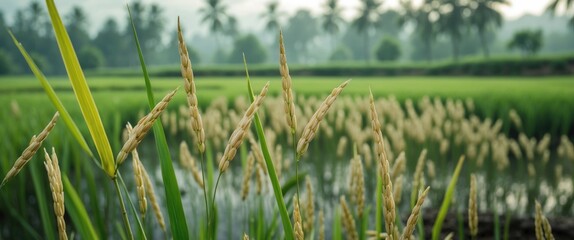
column 247, row 11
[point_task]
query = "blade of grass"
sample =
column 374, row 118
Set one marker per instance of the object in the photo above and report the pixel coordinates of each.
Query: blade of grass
column 82, row 91
column 287, row 227
column 77, row 211
column 446, row 201
column 178, row 223
column 135, row 212
column 64, row 115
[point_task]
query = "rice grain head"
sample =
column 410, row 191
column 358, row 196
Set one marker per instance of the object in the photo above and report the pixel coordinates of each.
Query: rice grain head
column 313, row 124
column 189, row 85
column 55, row 179
column 138, row 177
column 245, row 237
column 389, row 202
column 241, row 131
column 299, row 235
column 473, row 207
column 547, row 229
column 288, row 100
column 188, row 163
column 143, row 127
column 247, row 176
column 309, row 207
column 29, row 152
column 413, row 218
column 153, row 199
column 348, row 221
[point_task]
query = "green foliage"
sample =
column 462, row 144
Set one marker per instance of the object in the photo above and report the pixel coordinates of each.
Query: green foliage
column 389, row 49
column 6, row 65
column 91, row 58
column 341, row 54
column 251, row 47
column 527, row 41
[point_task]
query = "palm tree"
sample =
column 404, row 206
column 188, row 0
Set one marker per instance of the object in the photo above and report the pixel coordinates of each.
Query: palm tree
column 271, row 16
column 451, row 22
column 214, row 14
column 331, row 19
column 424, row 19
column 484, row 15
column 555, row 5
column 366, row 21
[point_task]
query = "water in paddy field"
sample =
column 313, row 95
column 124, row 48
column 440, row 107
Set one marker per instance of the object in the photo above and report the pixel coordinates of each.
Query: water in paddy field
column 513, row 170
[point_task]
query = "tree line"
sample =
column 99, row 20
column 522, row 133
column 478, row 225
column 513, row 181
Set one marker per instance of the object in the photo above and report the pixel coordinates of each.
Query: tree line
column 435, row 28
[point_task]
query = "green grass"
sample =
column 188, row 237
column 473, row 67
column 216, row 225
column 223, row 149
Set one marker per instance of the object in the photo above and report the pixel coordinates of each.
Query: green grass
column 544, row 102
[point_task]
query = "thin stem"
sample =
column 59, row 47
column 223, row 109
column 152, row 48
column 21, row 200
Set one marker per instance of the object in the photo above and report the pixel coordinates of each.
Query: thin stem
column 204, row 184
column 213, row 203
column 124, row 212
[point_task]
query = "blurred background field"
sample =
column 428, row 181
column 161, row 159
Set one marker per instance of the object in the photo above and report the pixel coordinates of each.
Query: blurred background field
column 491, row 80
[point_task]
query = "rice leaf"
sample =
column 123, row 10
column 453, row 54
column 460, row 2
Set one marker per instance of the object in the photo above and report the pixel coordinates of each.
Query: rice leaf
column 41, row 193
column 82, row 92
column 446, row 201
column 178, row 223
column 53, row 97
column 77, row 211
column 287, row 227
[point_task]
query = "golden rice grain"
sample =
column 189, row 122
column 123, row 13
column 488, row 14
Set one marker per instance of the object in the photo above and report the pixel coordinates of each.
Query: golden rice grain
column 55, row 179
column 289, row 105
column 412, row 221
column 153, row 199
column 473, row 208
column 348, row 221
column 313, row 124
column 29, row 152
column 241, row 130
column 142, row 128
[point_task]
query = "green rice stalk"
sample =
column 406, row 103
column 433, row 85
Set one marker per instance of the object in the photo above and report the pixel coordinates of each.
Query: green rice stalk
column 437, row 227
column 77, row 211
column 287, row 226
column 178, row 223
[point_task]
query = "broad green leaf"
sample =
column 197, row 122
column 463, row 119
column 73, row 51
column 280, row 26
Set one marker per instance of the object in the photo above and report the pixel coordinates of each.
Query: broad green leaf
column 77, row 211
column 82, row 91
column 446, row 201
column 53, row 97
column 287, row 227
column 178, row 223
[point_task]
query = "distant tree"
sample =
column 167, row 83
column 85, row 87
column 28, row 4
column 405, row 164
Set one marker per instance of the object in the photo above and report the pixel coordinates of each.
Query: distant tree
column 341, row 54
column 452, row 22
column 6, row 64
column 271, row 17
column 231, row 28
column 483, row 16
column 110, row 33
column 91, row 58
column 527, row 41
column 568, row 4
column 424, row 18
column 364, row 23
column 301, row 30
column 214, row 15
column 388, row 50
column 154, row 26
column 250, row 45
column 389, row 23
column 332, row 19
column 77, row 27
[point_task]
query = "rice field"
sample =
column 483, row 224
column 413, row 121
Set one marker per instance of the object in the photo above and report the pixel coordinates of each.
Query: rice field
column 372, row 158
column 440, row 123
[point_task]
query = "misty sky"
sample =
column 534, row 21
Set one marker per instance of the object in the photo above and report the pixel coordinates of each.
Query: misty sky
column 247, row 11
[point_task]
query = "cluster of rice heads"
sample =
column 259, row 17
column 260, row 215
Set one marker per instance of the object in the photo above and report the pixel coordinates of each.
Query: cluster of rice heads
column 371, row 142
